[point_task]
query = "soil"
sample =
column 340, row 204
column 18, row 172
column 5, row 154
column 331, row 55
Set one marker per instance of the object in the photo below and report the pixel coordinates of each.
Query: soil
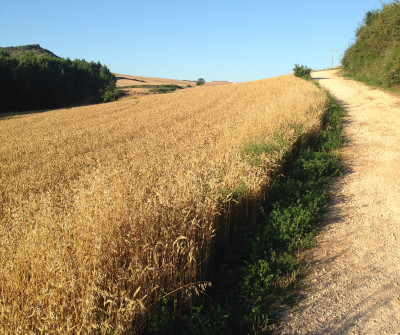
column 352, row 285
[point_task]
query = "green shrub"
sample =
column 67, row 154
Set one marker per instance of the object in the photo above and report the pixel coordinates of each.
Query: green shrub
column 302, row 71
column 110, row 95
column 390, row 67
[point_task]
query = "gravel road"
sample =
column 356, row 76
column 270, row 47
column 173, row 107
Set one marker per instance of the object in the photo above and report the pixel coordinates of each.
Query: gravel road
column 353, row 281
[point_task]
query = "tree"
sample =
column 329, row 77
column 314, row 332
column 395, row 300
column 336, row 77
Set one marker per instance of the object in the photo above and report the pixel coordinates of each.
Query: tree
column 32, row 81
column 200, row 81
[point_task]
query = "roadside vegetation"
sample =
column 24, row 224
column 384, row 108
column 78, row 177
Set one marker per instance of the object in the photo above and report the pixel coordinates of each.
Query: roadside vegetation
column 40, row 80
column 374, row 58
column 110, row 215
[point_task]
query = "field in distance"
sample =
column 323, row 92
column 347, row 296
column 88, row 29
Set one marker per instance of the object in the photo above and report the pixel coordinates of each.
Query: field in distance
column 125, row 83
column 105, row 208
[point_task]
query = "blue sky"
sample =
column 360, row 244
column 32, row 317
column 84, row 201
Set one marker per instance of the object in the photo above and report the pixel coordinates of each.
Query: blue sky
column 233, row 40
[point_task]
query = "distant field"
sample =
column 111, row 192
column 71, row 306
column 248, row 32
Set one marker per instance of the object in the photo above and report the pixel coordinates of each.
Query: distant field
column 124, row 80
column 105, row 208
column 127, row 80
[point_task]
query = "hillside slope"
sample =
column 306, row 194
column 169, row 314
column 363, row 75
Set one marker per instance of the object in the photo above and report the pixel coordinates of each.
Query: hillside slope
column 375, row 55
column 353, row 282
column 36, row 49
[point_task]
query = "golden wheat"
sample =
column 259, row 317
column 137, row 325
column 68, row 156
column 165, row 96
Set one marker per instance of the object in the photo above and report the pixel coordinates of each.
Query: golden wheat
column 103, row 208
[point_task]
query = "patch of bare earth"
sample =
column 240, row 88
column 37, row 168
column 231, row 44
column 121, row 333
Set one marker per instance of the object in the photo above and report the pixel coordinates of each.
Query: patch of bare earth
column 353, row 281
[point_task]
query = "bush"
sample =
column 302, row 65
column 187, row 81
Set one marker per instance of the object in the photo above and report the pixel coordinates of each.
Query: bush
column 110, row 96
column 200, row 81
column 302, row 71
column 390, row 67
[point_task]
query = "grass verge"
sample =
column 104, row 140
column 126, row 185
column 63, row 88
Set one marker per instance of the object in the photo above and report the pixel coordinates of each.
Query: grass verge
column 260, row 269
column 371, row 82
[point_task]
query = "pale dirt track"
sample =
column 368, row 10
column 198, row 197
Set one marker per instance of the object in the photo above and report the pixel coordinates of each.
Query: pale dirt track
column 353, row 282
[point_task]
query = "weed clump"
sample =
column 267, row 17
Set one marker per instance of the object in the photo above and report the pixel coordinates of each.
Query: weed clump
column 302, row 71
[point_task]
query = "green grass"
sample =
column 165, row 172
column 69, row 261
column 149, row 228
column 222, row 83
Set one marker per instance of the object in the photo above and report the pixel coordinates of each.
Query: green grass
column 165, row 88
column 237, row 194
column 255, row 149
column 370, row 81
column 260, row 269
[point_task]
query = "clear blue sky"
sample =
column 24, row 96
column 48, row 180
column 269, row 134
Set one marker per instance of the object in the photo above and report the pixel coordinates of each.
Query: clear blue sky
column 233, row 40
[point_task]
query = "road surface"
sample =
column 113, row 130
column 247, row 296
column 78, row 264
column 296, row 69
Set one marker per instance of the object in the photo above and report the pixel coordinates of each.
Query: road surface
column 353, row 281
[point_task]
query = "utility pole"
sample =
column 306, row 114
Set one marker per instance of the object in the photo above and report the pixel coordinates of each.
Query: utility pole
column 340, row 57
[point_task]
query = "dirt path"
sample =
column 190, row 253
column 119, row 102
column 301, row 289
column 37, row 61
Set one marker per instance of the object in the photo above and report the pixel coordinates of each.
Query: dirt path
column 353, row 286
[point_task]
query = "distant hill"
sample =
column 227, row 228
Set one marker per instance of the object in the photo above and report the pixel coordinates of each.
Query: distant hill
column 375, row 55
column 33, row 78
column 21, row 50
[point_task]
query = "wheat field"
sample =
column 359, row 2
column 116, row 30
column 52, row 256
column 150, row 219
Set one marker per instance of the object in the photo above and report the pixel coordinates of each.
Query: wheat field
column 106, row 208
column 126, row 80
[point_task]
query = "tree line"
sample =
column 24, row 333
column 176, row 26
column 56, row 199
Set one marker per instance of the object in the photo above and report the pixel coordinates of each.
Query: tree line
column 34, row 81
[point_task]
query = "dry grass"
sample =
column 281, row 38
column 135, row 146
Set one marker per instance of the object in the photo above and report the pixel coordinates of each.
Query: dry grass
column 104, row 207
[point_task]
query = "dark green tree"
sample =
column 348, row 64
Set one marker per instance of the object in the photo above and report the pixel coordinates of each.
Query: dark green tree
column 200, row 81
column 31, row 81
